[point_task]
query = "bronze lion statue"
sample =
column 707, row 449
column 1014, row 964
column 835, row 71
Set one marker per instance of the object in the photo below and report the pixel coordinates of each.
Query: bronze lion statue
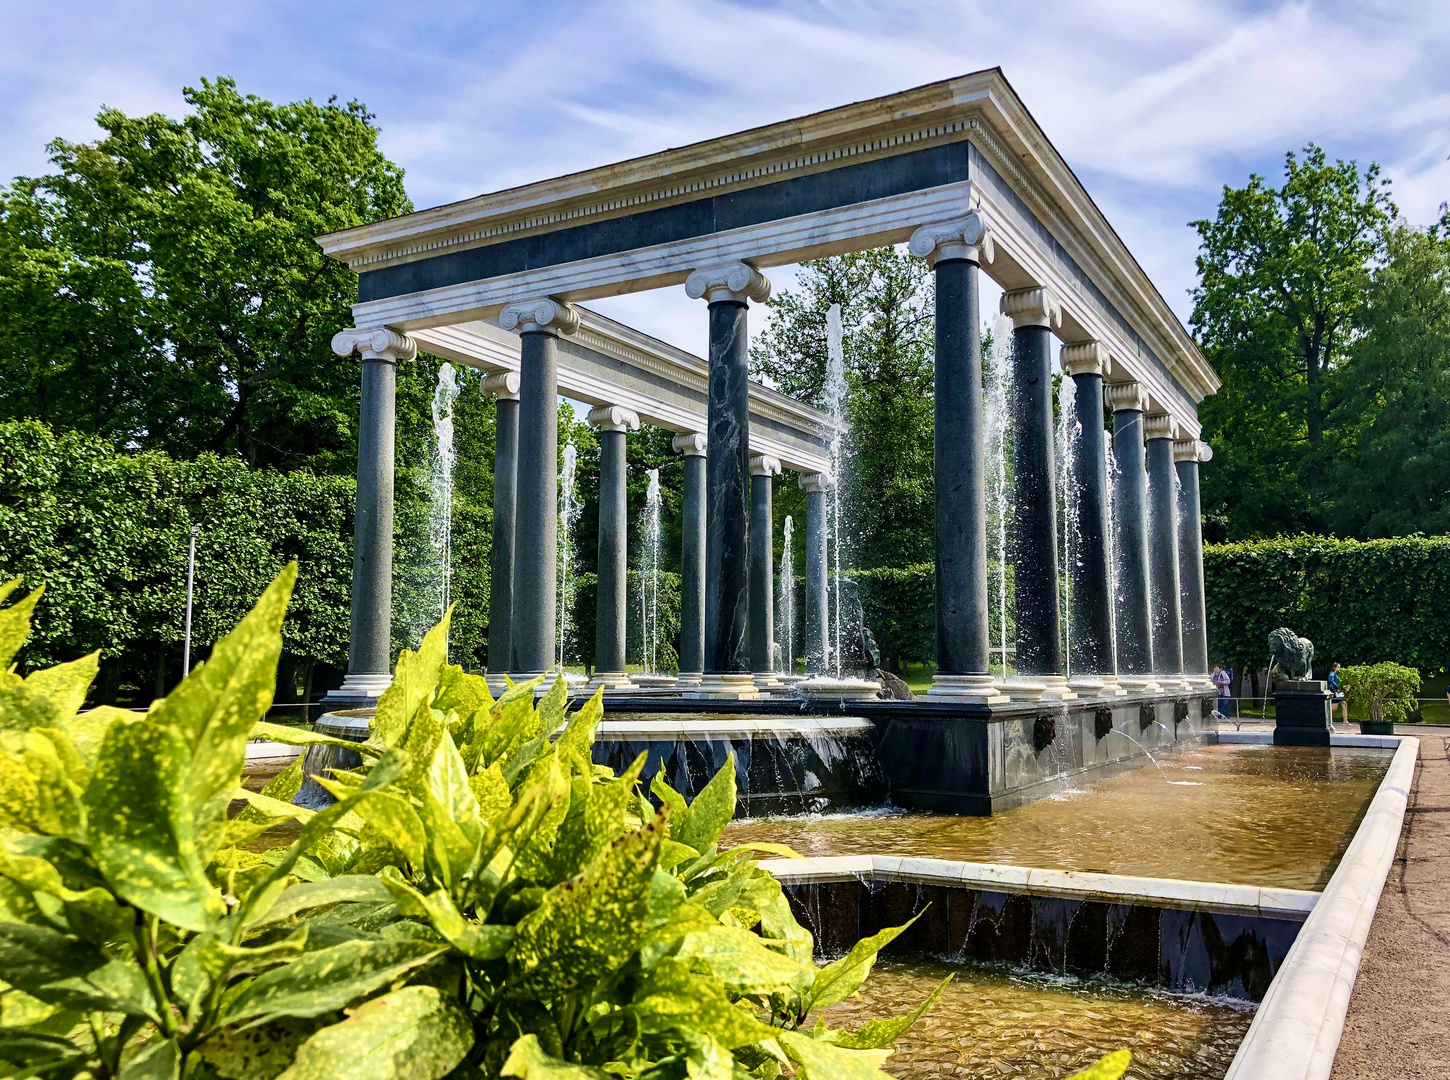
column 1290, row 655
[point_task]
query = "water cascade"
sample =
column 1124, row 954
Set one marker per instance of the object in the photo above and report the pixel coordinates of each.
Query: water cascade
column 785, row 606
column 569, row 509
column 1068, row 436
column 649, row 584
column 999, row 487
column 438, row 573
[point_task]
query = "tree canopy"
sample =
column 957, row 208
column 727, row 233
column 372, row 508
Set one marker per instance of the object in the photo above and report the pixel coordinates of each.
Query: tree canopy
column 887, row 311
column 162, row 288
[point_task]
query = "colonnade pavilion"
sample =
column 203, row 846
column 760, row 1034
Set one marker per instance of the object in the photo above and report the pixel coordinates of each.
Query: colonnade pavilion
column 961, row 172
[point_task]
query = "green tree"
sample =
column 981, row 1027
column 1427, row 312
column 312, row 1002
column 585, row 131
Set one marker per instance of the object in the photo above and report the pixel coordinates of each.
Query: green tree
column 162, row 287
column 1283, row 273
column 887, row 320
column 1393, row 403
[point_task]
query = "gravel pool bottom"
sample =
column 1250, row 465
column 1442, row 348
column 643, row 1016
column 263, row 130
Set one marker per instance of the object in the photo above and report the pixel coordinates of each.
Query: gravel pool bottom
column 1255, row 815
column 990, row 1024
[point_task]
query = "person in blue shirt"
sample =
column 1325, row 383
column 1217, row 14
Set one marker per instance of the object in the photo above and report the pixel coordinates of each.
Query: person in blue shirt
column 1336, row 693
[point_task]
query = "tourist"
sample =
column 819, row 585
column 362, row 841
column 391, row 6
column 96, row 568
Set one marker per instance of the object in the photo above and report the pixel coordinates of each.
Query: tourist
column 1336, row 693
column 1220, row 679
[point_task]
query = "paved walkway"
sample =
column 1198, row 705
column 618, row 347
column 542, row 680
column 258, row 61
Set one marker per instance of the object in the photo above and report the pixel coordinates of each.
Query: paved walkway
column 1399, row 1016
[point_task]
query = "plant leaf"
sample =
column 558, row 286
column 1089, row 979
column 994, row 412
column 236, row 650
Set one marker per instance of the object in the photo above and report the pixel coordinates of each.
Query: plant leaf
column 414, row 1033
column 328, row 979
column 1109, row 1068
column 528, row 1061
column 710, row 812
column 672, row 998
column 839, row 980
column 414, row 680
column 877, row 1033
column 821, row 1060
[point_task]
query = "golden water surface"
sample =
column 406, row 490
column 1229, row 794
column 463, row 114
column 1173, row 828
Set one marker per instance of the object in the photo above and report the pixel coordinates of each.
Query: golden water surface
column 989, row 1025
column 1255, row 815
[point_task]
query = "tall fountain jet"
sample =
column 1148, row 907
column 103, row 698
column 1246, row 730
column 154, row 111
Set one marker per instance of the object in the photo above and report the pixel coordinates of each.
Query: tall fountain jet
column 440, row 517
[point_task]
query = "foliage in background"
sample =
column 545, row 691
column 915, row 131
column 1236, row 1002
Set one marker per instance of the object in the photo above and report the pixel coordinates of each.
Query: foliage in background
column 482, row 900
column 107, row 532
column 1283, row 273
column 1384, row 692
column 162, row 288
column 1359, row 602
column 1393, row 401
column 886, row 298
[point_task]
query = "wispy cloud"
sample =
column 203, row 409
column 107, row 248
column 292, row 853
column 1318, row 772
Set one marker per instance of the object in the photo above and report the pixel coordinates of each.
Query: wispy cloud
column 1155, row 103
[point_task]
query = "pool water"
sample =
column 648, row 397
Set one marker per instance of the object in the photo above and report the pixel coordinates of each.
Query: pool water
column 992, row 1024
column 1255, row 815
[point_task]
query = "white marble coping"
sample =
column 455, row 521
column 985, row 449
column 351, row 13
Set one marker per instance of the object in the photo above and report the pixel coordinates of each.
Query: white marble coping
column 258, row 752
column 1266, row 738
column 1251, row 900
column 733, row 727
column 1296, row 1030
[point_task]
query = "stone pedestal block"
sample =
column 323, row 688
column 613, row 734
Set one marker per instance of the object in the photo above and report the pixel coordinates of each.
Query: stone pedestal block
column 1301, row 711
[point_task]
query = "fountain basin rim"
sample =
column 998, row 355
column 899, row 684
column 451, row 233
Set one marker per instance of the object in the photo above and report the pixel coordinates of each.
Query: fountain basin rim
column 1296, row 1030
column 712, row 727
column 1218, row 897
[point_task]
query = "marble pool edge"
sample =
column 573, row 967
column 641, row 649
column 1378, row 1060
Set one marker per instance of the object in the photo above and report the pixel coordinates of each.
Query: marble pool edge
column 1296, row 1030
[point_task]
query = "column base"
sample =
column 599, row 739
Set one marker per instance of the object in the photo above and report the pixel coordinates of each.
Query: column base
column 688, row 678
column 1201, row 681
column 1055, row 688
column 1024, row 688
column 768, row 680
column 648, row 682
column 496, row 684
column 718, row 687
column 1140, row 684
column 612, row 681
column 976, row 689
column 825, row 688
column 1176, row 683
column 1111, row 687
column 367, row 687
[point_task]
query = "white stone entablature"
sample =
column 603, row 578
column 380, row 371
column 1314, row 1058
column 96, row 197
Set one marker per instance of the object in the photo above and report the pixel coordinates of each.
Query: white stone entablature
column 1029, row 189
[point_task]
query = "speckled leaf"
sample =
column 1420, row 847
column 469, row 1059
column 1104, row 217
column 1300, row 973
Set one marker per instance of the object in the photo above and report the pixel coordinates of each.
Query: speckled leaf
column 394, row 820
column 414, row 680
column 672, row 998
column 140, row 825
column 578, row 735
column 328, row 979
column 763, row 895
column 708, row 1059
column 15, row 621
column 412, row 1034
column 87, row 730
column 839, row 980
column 739, row 960
column 350, row 888
column 589, row 925
column 595, row 817
column 880, row 1033
column 492, row 792
column 256, row 1053
column 1109, row 1068
column 528, row 1061
column 33, row 1054
column 822, row 1061
column 49, row 697
column 215, row 707
column 711, row 811
column 517, row 723
column 476, row 940
column 462, row 693
column 159, row 1059
column 33, row 957
column 292, row 736
column 659, row 787
column 100, row 917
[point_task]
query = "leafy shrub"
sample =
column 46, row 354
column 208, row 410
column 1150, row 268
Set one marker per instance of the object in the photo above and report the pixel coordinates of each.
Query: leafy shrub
column 481, row 901
column 1382, row 691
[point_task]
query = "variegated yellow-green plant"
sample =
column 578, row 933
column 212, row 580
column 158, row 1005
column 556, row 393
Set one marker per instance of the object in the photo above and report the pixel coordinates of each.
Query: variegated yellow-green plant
column 482, row 900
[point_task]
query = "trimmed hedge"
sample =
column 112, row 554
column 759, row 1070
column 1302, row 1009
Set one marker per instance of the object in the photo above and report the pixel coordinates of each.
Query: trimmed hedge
column 1360, row 602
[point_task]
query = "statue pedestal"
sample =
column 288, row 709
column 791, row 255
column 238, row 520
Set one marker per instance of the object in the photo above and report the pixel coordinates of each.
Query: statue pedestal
column 1301, row 711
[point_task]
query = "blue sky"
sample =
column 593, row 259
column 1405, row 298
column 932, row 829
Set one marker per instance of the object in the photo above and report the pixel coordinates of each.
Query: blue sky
column 1155, row 103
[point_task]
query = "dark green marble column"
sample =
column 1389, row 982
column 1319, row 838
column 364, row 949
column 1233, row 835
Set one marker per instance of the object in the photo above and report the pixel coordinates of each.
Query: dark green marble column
column 692, row 559
column 1163, row 594
column 505, row 388
column 1187, row 453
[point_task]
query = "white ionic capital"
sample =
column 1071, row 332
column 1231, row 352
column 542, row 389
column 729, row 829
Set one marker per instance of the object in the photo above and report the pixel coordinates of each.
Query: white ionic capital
column 1160, row 426
column 1086, row 358
column 1036, row 306
column 376, row 344
column 735, row 281
column 816, row 482
column 503, row 385
column 690, row 444
column 966, row 238
column 613, row 418
column 764, row 465
column 1192, row 450
column 1125, row 395
column 544, row 314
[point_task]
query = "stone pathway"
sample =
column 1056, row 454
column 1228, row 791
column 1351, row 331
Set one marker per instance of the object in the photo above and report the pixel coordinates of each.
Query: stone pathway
column 1398, row 1026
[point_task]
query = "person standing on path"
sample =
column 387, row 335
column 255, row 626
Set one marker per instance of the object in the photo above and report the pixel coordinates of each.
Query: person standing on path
column 1220, row 679
column 1336, row 693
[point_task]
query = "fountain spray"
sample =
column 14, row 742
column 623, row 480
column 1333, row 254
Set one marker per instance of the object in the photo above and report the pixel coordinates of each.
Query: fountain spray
column 569, row 508
column 836, row 408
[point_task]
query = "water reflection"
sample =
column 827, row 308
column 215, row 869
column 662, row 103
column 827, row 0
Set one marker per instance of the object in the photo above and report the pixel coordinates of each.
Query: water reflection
column 991, row 1024
column 1260, row 815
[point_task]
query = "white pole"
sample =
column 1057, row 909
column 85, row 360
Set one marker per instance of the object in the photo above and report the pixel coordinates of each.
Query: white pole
column 190, row 579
